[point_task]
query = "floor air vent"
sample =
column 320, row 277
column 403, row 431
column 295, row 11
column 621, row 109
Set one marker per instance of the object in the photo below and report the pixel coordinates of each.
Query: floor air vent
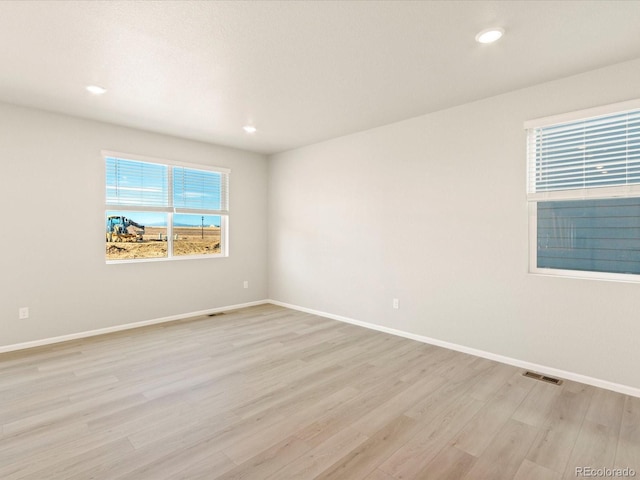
column 543, row 378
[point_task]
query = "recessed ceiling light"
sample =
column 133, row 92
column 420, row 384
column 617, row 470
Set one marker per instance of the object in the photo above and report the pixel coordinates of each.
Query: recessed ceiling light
column 249, row 129
column 599, row 167
column 489, row 35
column 96, row 90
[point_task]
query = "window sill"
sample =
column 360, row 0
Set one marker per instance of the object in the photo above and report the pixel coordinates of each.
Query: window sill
column 583, row 275
column 166, row 259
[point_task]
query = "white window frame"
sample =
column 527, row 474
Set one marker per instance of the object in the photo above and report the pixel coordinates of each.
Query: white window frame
column 171, row 210
column 578, row 194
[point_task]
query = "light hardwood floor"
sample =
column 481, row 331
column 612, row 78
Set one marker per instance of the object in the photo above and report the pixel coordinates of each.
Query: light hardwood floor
column 268, row 393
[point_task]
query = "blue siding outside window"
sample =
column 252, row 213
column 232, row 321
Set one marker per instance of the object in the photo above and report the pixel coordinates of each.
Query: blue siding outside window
column 590, row 235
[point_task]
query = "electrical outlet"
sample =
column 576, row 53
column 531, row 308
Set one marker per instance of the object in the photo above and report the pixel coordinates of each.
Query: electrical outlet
column 396, row 303
column 23, row 313
column 246, row 284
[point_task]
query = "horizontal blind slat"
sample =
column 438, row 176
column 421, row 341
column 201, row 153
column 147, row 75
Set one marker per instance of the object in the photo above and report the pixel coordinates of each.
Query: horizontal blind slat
column 593, row 123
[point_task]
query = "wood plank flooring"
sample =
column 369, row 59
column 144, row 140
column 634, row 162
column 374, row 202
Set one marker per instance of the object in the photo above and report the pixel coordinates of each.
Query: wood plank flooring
column 268, row 393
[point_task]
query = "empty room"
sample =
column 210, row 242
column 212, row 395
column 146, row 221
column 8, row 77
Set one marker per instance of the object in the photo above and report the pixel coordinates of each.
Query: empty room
column 271, row 240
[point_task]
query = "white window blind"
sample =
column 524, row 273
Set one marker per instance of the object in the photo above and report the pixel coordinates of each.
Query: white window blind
column 136, row 183
column 591, row 157
column 200, row 190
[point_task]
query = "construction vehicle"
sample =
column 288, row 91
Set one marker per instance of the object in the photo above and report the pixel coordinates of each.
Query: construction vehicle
column 118, row 229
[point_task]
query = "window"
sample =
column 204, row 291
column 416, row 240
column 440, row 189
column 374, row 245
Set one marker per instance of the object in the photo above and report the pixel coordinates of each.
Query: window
column 164, row 210
column 584, row 193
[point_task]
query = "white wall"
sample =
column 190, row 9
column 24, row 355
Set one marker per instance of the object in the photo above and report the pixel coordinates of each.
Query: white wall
column 433, row 211
column 52, row 236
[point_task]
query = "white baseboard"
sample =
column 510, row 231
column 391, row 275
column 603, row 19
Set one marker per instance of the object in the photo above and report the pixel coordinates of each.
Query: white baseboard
column 576, row 377
column 128, row 326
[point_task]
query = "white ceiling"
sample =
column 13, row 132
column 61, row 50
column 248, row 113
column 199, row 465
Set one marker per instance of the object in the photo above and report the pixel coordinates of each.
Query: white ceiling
column 300, row 71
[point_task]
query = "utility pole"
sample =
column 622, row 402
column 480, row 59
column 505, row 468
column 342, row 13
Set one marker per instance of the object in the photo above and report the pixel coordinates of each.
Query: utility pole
column 202, row 223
